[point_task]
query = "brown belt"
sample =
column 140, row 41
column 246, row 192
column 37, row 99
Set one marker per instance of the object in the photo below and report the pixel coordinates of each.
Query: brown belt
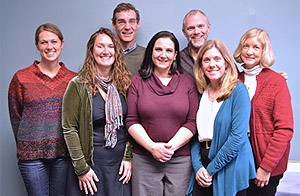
column 205, row 144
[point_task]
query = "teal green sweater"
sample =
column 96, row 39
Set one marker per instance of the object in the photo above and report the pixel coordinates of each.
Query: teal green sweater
column 232, row 162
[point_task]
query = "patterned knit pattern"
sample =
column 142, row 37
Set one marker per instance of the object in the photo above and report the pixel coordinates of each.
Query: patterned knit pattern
column 271, row 121
column 35, row 103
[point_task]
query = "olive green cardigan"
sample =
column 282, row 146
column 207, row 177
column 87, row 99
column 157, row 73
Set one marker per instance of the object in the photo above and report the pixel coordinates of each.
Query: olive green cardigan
column 78, row 125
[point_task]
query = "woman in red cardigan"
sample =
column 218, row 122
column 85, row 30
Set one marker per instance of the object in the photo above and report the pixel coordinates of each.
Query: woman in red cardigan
column 271, row 120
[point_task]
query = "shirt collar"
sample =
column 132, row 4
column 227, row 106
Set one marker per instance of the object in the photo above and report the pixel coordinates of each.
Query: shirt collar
column 129, row 49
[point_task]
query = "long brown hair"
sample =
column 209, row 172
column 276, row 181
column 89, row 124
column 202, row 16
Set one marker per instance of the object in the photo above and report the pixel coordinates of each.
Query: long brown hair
column 121, row 76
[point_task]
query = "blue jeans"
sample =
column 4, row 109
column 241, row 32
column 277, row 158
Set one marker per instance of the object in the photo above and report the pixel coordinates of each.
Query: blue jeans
column 45, row 177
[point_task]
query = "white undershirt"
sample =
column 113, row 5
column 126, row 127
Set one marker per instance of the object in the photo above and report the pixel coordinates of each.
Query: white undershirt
column 206, row 116
column 250, row 79
column 250, row 82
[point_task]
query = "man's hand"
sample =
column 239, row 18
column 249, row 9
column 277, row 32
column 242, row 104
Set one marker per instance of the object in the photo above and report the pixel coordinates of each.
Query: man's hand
column 284, row 74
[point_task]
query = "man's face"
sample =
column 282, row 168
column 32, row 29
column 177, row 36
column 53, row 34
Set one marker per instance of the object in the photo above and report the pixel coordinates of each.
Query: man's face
column 126, row 26
column 196, row 30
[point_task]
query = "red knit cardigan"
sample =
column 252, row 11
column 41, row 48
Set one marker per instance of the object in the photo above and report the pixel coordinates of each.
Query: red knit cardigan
column 271, row 122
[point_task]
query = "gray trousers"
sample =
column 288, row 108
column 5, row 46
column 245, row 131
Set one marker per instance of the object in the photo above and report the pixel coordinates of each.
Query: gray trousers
column 153, row 178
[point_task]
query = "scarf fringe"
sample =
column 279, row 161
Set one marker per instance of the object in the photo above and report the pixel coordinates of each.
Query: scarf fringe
column 111, row 136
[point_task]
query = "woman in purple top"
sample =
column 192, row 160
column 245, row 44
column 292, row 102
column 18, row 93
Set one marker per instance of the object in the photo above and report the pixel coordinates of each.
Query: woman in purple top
column 162, row 106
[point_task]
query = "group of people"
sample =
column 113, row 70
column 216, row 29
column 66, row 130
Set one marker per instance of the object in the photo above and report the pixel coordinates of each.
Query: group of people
column 155, row 120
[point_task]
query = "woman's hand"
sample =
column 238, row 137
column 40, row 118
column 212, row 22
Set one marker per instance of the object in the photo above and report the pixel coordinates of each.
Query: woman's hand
column 203, row 178
column 162, row 152
column 262, row 177
column 87, row 182
column 125, row 171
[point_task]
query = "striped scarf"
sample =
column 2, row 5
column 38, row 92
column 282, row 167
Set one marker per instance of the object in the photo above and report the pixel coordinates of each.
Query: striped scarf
column 113, row 111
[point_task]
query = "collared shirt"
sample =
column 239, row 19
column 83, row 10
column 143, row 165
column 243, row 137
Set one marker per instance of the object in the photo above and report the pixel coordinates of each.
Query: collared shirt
column 129, row 49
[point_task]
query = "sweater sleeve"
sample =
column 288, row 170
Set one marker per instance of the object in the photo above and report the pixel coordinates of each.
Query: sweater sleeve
column 128, row 148
column 190, row 123
column 237, row 137
column 283, row 126
column 70, row 123
column 132, row 98
column 195, row 154
column 15, row 103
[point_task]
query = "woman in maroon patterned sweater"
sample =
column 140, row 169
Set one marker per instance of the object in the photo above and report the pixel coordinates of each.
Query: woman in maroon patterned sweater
column 35, row 101
column 271, row 119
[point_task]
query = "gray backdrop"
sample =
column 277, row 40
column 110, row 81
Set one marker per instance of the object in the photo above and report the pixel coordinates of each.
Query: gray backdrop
column 78, row 19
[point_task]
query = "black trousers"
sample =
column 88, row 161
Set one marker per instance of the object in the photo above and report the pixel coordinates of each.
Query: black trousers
column 199, row 190
column 208, row 191
column 268, row 190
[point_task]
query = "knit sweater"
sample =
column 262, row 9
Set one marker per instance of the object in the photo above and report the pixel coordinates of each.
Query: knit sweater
column 134, row 59
column 271, row 122
column 35, row 101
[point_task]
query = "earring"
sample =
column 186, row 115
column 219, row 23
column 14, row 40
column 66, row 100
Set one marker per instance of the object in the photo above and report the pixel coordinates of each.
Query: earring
column 174, row 65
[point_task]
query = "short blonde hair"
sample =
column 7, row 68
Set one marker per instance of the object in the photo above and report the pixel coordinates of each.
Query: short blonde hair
column 267, row 58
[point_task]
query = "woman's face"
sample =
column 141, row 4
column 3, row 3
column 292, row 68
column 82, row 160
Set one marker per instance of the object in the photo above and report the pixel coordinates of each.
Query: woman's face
column 163, row 54
column 49, row 46
column 104, row 51
column 213, row 64
column 251, row 52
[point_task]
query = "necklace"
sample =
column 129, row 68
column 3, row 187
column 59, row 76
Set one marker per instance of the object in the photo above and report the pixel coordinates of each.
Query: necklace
column 212, row 96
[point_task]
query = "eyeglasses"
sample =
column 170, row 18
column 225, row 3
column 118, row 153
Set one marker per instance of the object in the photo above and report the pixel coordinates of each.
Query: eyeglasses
column 124, row 22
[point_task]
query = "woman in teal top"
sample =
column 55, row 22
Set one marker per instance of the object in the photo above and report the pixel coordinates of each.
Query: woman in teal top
column 222, row 157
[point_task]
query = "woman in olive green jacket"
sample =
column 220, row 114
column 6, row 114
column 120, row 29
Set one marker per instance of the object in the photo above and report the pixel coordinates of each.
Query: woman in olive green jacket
column 94, row 110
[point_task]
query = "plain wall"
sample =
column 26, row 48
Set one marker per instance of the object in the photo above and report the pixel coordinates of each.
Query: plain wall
column 78, row 19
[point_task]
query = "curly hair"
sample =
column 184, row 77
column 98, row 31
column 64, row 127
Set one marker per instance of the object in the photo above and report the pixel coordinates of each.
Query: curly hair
column 120, row 74
column 229, row 79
